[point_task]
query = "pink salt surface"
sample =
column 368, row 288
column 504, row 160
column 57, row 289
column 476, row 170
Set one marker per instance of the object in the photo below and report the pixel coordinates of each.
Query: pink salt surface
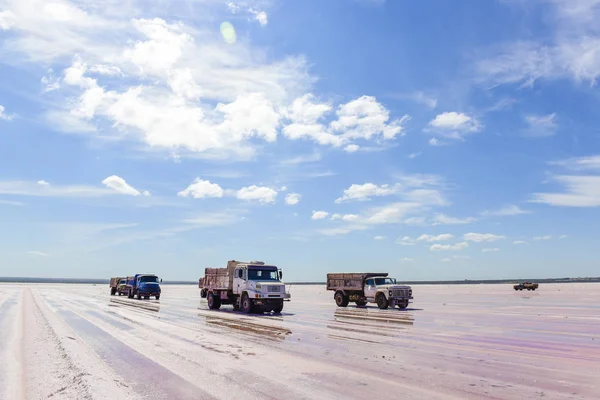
column 453, row 342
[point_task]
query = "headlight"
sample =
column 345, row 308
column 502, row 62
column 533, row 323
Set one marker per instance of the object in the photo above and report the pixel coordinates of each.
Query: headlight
column 390, row 293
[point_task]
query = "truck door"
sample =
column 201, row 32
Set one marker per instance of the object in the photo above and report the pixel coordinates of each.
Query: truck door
column 239, row 276
column 370, row 288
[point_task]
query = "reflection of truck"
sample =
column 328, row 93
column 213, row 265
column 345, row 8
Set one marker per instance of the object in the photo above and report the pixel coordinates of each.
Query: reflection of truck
column 114, row 285
column 250, row 286
column 526, row 285
column 143, row 285
column 363, row 288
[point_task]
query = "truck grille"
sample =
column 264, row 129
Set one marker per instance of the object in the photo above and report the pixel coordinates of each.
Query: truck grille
column 273, row 289
column 400, row 293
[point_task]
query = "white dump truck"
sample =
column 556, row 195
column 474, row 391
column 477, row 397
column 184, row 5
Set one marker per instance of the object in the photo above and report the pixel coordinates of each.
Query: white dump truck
column 368, row 287
column 249, row 286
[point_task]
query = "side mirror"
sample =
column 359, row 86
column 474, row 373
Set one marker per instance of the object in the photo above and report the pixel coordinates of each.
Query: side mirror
column 280, row 274
column 161, row 280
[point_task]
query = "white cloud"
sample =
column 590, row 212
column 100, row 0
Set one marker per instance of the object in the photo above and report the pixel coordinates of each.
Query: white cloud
column 424, row 99
column 261, row 193
column 146, row 193
column 453, row 125
column 482, row 237
column 292, row 198
column 414, row 155
column 8, row 19
column 50, row 82
column 25, row 188
column 38, row 253
column 563, row 236
column 379, row 238
column 260, row 16
column 454, row 258
column 109, row 70
column 43, row 183
column 365, row 192
column 519, row 242
column 406, row 241
column 319, row 215
column 432, row 238
column 302, row 159
column 12, row 203
column 545, row 237
column 490, row 250
column 505, row 211
column 406, row 260
column 351, row 148
column 434, row 142
column 541, row 125
column 581, row 163
column 350, row 217
column 449, row 247
column 3, row 114
column 119, row 185
column 442, row 219
column 201, row 189
column 365, row 118
column 580, row 191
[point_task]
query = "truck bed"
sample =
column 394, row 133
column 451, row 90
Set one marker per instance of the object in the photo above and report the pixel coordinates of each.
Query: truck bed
column 217, row 278
column 350, row 280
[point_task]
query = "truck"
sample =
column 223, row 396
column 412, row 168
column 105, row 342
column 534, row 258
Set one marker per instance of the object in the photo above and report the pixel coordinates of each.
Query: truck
column 114, row 285
column 526, row 285
column 250, row 286
column 368, row 287
column 122, row 287
column 143, row 285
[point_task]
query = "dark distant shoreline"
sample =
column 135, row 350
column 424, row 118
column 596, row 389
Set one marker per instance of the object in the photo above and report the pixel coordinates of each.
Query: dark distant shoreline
column 455, row 282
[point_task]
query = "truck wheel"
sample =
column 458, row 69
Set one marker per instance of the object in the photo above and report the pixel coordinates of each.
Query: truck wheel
column 278, row 308
column 403, row 305
column 236, row 306
column 213, row 302
column 203, row 293
column 158, row 297
column 246, row 304
column 361, row 303
column 139, row 296
column 129, row 294
column 382, row 302
column 341, row 300
column 113, row 291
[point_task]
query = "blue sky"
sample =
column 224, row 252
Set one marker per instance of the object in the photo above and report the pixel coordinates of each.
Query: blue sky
column 433, row 140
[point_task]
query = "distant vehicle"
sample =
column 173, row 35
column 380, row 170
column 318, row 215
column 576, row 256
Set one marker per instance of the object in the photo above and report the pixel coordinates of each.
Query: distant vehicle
column 143, row 285
column 122, row 287
column 363, row 288
column 249, row 286
column 114, row 283
column 526, row 285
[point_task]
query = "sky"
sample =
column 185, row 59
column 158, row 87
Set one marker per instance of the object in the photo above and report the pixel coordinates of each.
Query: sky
column 432, row 140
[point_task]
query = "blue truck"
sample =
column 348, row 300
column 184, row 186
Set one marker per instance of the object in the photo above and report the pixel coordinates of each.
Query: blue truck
column 143, row 285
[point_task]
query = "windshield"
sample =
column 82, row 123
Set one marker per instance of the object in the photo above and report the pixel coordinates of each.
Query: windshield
column 149, row 279
column 263, row 275
column 384, row 281
column 122, row 282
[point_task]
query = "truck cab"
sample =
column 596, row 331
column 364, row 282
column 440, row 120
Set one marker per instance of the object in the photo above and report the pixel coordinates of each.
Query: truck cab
column 122, row 286
column 144, row 285
column 385, row 292
column 259, row 286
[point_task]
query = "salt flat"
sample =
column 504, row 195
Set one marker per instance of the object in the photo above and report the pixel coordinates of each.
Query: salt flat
column 453, row 342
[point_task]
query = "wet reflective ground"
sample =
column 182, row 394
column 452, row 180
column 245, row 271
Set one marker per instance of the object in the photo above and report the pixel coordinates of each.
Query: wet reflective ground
column 458, row 342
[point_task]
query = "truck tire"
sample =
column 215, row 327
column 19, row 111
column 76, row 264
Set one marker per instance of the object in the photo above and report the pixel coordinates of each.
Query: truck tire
column 247, row 304
column 382, row 302
column 130, row 294
column 361, row 303
column 113, row 291
column 402, row 305
column 139, row 296
column 341, row 300
column 236, row 306
column 203, row 293
column 214, row 303
column 278, row 308
column 158, row 297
